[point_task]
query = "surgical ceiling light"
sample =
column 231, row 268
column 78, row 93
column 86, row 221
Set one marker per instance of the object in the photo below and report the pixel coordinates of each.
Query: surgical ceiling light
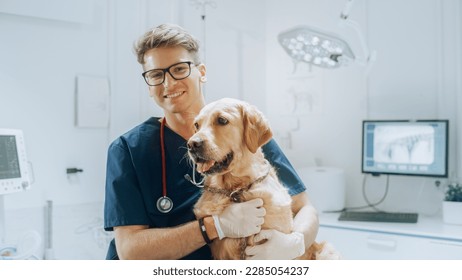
column 316, row 47
column 323, row 49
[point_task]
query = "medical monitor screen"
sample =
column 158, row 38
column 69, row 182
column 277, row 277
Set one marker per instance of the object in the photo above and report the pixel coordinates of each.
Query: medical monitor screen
column 9, row 160
column 418, row 148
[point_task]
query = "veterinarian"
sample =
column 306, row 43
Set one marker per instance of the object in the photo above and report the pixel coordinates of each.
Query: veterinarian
column 151, row 186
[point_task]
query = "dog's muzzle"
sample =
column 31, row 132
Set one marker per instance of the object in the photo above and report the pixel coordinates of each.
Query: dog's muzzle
column 205, row 164
column 196, row 150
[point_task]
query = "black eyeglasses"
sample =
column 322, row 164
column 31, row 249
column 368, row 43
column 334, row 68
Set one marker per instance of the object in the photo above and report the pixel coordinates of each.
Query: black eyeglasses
column 177, row 71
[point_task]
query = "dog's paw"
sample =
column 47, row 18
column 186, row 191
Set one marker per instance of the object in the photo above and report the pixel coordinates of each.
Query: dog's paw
column 328, row 252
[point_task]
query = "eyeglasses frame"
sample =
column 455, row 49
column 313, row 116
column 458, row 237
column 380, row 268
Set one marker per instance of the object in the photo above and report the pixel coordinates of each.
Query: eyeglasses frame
column 167, row 70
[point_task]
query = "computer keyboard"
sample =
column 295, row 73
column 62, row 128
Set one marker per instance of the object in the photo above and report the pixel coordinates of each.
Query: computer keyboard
column 387, row 217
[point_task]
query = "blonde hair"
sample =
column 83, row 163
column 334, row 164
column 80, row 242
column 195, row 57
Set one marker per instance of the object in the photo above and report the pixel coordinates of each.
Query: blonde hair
column 167, row 35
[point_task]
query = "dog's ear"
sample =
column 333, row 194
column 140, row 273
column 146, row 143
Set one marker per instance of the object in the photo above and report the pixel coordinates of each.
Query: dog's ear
column 257, row 131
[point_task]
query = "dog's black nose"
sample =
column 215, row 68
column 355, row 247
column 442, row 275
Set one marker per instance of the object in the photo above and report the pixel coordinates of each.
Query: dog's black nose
column 195, row 144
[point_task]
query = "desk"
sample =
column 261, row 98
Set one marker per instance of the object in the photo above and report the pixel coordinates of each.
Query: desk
column 429, row 238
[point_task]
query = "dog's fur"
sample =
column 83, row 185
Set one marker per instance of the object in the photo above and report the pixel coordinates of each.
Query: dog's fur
column 226, row 148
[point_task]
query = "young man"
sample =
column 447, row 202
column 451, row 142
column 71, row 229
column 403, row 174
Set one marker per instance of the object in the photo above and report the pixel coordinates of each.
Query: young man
column 151, row 213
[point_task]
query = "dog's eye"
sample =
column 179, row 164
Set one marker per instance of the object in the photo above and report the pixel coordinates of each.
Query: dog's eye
column 196, row 125
column 222, row 121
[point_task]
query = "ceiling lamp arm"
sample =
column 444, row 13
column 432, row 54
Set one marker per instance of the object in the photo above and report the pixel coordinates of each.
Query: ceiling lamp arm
column 346, row 9
column 369, row 56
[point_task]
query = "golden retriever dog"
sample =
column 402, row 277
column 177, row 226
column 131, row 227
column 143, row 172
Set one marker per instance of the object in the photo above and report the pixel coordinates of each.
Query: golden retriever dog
column 226, row 149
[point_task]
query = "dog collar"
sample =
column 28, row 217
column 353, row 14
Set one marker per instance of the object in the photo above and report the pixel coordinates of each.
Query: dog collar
column 236, row 195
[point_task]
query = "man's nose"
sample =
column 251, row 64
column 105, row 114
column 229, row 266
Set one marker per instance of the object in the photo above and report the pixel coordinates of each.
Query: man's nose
column 168, row 80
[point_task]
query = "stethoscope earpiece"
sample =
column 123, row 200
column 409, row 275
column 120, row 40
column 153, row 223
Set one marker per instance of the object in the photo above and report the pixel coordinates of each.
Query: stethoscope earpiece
column 193, row 180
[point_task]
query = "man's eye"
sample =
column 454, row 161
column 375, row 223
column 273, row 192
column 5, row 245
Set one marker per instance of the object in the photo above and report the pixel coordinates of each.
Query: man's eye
column 222, row 121
column 155, row 75
column 179, row 69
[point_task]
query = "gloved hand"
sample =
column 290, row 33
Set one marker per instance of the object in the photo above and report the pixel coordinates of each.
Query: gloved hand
column 240, row 219
column 279, row 246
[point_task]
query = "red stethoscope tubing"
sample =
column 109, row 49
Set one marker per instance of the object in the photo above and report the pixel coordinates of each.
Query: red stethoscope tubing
column 162, row 149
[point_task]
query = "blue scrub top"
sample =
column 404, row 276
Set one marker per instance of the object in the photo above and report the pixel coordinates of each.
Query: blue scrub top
column 134, row 181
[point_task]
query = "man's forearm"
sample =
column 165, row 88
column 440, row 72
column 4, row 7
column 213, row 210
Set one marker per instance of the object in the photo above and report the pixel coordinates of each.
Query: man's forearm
column 135, row 242
column 306, row 221
column 306, row 217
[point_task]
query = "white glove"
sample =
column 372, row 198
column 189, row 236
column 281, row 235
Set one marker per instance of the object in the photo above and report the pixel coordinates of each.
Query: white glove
column 279, row 246
column 240, row 219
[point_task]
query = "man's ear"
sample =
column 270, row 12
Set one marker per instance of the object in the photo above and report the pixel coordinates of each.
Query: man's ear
column 202, row 69
column 256, row 128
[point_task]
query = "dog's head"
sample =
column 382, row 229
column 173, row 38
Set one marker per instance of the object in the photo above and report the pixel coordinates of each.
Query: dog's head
column 227, row 130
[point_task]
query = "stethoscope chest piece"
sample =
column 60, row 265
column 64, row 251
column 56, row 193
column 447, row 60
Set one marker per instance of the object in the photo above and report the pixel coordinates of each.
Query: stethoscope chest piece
column 164, row 204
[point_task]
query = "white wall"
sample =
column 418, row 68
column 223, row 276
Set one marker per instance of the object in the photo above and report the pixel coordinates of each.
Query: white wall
column 327, row 105
column 416, row 77
column 42, row 50
column 40, row 59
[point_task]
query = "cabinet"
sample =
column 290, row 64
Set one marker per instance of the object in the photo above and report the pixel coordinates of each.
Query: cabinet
column 429, row 239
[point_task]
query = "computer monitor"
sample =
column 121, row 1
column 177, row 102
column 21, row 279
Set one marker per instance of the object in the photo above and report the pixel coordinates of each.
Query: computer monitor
column 404, row 147
column 14, row 174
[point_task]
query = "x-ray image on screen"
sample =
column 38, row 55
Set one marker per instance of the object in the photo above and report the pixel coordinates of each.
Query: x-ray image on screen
column 410, row 144
column 405, row 147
